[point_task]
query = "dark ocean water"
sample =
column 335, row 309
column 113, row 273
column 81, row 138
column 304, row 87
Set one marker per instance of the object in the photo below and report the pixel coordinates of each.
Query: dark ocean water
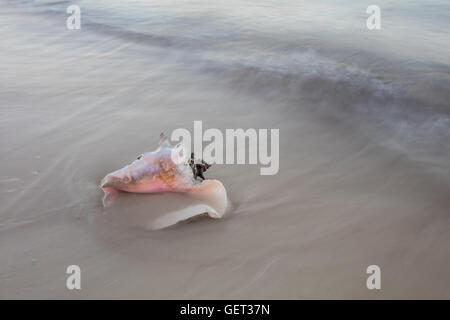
column 318, row 55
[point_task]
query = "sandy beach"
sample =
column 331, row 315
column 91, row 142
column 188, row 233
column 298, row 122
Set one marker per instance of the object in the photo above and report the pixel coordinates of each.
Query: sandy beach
column 364, row 154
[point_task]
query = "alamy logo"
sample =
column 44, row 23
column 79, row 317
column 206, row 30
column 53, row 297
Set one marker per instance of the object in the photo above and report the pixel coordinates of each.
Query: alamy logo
column 374, row 280
column 74, row 280
column 73, row 22
column 241, row 146
column 374, row 20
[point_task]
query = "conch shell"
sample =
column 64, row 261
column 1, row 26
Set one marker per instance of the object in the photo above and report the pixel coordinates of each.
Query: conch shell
column 157, row 172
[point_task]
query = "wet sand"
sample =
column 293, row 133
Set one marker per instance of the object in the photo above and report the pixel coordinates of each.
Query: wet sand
column 75, row 107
